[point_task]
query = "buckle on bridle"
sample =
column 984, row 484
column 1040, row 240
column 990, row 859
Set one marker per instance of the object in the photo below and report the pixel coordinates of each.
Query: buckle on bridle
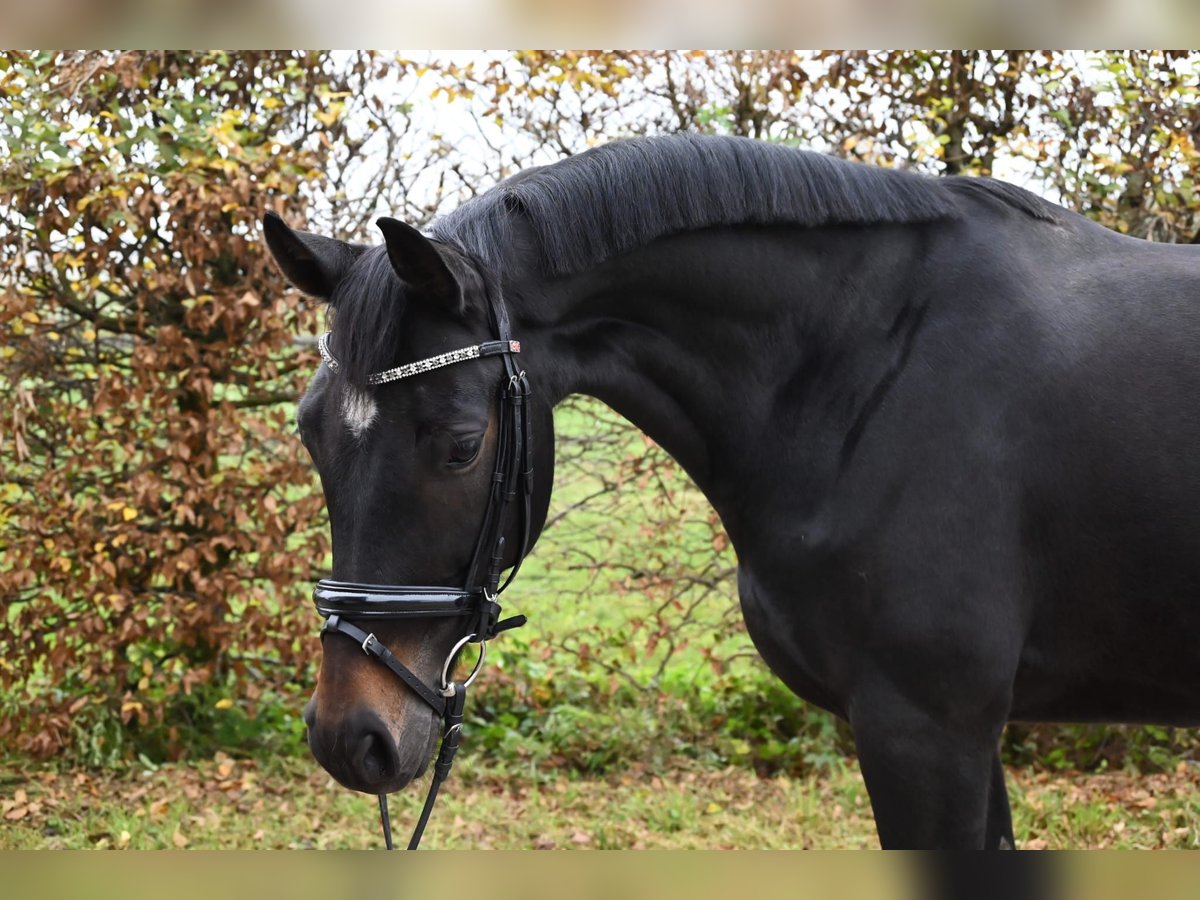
column 370, row 645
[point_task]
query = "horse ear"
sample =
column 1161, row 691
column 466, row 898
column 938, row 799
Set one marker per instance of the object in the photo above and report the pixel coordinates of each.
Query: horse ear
column 418, row 263
column 312, row 263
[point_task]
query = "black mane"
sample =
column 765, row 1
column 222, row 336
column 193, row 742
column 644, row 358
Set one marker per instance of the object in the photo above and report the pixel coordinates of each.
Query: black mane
column 610, row 199
column 366, row 307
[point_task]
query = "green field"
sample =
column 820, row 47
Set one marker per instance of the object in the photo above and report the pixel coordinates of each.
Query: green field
column 290, row 803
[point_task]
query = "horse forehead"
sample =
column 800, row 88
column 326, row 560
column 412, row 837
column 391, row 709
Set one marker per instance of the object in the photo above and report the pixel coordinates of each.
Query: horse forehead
column 358, row 409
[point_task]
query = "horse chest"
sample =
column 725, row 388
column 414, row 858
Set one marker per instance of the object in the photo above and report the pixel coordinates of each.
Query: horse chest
column 797, row 632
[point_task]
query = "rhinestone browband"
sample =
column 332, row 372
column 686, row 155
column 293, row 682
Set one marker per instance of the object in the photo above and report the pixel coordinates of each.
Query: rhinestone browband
column 487, row 348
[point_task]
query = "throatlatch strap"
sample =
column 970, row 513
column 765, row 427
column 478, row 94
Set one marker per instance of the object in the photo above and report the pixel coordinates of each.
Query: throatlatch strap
column 522, row 476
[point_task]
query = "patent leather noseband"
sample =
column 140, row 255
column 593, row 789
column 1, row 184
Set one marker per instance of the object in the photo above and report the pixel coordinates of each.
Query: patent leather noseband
column 476, row 602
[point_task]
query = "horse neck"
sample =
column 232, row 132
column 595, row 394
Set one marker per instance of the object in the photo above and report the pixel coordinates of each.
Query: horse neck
column 720, row 343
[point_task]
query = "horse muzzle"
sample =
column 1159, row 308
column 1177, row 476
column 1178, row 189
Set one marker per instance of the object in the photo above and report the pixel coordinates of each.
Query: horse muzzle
column 362, row 752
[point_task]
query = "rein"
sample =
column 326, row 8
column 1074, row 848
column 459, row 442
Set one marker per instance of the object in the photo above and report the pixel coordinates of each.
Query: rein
column 476, row 603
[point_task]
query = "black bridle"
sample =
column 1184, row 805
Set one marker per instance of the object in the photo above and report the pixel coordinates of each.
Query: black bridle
column 477, row 601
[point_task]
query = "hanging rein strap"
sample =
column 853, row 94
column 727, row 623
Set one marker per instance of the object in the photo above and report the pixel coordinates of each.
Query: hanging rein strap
column 441, row 768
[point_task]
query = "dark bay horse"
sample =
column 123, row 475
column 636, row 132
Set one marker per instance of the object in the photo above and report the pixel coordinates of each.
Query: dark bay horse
column 953, row 432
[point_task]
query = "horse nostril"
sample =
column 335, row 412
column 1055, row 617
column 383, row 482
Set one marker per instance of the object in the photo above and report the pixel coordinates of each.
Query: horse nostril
column 373, row 759
column 376, row 756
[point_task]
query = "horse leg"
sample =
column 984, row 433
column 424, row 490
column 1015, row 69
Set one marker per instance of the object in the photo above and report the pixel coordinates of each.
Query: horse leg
column 999, row 834
column 930, row 781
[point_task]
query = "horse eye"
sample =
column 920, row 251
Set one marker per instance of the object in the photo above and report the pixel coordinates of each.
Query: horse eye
column 463, row 450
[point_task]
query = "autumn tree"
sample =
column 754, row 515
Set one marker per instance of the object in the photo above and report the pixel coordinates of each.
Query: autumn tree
column 159, row 522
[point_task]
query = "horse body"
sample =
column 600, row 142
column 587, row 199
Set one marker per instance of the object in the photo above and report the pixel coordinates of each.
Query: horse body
column 951, row 436
column 955, row 461
column 1111, row 515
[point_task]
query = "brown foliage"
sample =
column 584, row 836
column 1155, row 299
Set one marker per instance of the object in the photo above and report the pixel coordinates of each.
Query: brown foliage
column 156, row 514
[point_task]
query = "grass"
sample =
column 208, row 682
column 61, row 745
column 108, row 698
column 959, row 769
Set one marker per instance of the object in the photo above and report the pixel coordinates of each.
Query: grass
column 290, row 803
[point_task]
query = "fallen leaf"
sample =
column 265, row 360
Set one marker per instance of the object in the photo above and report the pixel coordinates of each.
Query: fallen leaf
column 582, row 838
column 179, row 839
column 17, row 813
